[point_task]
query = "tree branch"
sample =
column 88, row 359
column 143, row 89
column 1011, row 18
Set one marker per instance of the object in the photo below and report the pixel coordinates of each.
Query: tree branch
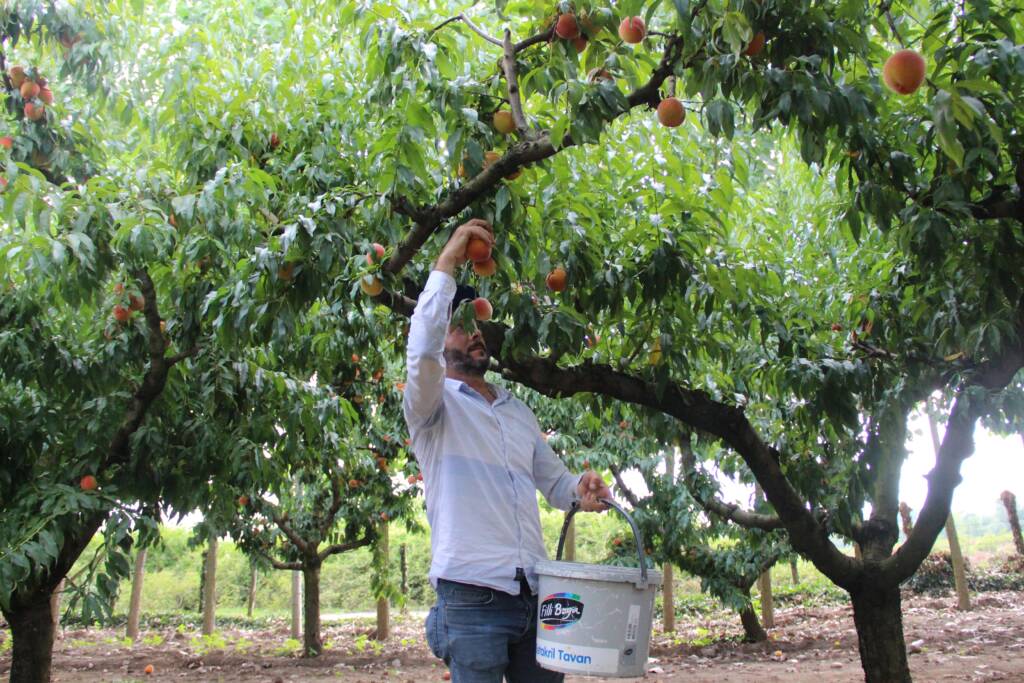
column 728, row 511
column 542, row 37
column 508, row 65
column 287, row 530
column 476, row 29
column 277, row 564
column 338, row 548
column 626, row 492
column 428, row 219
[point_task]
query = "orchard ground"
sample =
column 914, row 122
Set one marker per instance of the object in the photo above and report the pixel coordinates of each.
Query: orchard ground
column 808, row 644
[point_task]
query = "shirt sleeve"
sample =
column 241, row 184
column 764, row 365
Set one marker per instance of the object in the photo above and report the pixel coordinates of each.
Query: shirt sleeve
column 425, row 366
column 553, row 478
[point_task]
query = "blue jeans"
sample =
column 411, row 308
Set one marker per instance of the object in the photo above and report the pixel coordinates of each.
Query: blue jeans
column 483, row 634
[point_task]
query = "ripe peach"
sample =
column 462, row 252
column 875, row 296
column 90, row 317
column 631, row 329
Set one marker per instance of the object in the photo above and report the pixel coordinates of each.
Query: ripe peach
column 477, row 250
column 88, row 483
column 503, row 122
column 566, row 27
column 377, row 250
column 485, row 268
column 482, row 308
column 7, row 141
column 580, row 43
column 904, row 72
column 385, row 516
column 136, row 303
column 29, row 90
column 46, row 95
column 411, row 479
column 148, row 670
column 671, row 112
column 243, row 500
column 556, row 279
column 274, row 141
column 33, row 111
column 355, row 357
column 755, row 45
column 353, row 483
column 286, row 272
column 632, row 30
column 121, row 314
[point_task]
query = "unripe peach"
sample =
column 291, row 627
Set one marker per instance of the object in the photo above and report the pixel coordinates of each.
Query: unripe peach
column 485, row 268
column 632, row 30
column 556, row 279
column 904, row 72
column 482, row 308
column 671, row 112
column 503, row 122
column 371, row 285
column 477, row 250
column 566, row 27
column 755, row 45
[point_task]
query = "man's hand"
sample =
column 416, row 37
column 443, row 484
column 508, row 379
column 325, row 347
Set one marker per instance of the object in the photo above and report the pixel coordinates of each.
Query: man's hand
column 590, row 488
column 454, row 253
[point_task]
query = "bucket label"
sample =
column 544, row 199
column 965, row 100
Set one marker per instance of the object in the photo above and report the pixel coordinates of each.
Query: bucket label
column 632, row 623
column 560, row 610
column 563, row 656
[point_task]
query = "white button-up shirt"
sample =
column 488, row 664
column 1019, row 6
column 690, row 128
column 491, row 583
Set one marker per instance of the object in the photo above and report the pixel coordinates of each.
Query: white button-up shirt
column 482, row 462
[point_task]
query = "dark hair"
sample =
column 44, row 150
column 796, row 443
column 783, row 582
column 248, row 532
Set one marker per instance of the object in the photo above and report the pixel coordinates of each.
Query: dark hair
column 463, row 293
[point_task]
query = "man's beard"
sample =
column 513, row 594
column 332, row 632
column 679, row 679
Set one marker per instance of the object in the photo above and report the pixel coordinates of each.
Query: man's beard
column 466, row 364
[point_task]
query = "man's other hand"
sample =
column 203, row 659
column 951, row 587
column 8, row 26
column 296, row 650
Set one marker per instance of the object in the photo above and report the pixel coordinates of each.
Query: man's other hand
column 590, row 488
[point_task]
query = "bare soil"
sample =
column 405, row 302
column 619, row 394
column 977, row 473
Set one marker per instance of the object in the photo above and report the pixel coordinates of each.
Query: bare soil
column 808, row 645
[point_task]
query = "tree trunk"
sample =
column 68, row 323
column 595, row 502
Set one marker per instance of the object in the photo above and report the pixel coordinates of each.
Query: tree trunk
column 55, row 608
column 1010, row 501
column 210, row 590
column 202, row 579
column 311, row 644
column 251, row 602
column 908, row 524
column 879, row 620
column 383, row 616
column 668, row 601
column 752, row 631
column 135, row 605
column 32, row 632
column 793, row 571
column 403, row 564
column 764, row 585
column 296, row 605
column 963, row 596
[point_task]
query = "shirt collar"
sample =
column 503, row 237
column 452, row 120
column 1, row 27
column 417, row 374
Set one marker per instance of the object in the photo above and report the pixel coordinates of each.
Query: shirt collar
column 500, row 393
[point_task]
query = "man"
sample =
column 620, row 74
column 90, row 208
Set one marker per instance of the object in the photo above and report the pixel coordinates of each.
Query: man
column 483, row 458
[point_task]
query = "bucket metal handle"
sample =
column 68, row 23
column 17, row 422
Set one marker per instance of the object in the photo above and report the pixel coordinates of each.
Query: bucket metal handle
column 642, row 583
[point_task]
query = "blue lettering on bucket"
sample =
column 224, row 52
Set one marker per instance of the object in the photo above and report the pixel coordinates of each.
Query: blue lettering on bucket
column 560, row 655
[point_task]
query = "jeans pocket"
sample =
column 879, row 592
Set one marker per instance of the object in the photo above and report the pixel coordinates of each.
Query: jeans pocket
column 435, row 633
column 458, row 595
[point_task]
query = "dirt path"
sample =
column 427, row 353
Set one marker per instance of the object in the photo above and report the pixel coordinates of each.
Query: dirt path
column 809, row 645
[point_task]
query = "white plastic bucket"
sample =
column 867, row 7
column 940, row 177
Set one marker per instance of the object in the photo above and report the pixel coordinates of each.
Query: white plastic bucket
column 595, row 620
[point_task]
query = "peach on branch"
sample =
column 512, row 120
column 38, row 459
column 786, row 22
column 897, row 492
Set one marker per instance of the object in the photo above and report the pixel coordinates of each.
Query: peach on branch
column 371, row 285
column 6, row 142
column 17, row 74
column 376, row 251
column 566, row 27
column 46, row 95
column 556, row 279
column 632, row 30
column 755, row 45
column 122, row 313
column 671, row 112
column 29, row 90
column 88, row 483
column 33, row 111
column 477, row 250
column 482, row 309
column 485, row 268
column 904, row 72
column 503, row 121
